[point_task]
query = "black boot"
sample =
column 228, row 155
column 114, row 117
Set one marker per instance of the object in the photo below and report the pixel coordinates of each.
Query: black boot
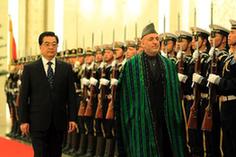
column 68, row 143
column 91, row 146
column 110, row 147
column 116, row 153
column 64, row 140
column 74, row 143
column 82, row 145
column 15, row 129
column 100, row 146
column 18, row 131
column 13, row 123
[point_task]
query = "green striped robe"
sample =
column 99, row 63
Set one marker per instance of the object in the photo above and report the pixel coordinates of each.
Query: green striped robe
column 134, row 115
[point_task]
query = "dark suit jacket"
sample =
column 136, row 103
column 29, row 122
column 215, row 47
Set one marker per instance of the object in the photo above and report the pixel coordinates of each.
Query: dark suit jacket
column 41, row 106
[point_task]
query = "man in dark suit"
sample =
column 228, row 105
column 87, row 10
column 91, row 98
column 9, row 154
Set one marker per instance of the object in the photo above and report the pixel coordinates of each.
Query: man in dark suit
column 47, row 99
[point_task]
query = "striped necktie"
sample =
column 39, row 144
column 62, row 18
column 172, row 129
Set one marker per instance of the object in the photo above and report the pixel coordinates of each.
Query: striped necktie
column 50, row 74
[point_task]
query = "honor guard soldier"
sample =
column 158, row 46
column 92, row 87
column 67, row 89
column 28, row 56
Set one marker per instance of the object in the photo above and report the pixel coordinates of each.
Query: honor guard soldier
column 119, row 51
column 131, row 49
column 92, row 103
column 102, row 133
column 69, row 140
column 11, row 90
column 227, row 87
column 184, row 56
column 199, row 67
column 168, row 42
column 67, row 53
column 98, row 55
column 184, row 44
column 60, row 55
column 117, row 64
column 85, row 123
column 73, row 56
column 76, row 58
column 219, row 43
column 218, row 53
column 77, row 67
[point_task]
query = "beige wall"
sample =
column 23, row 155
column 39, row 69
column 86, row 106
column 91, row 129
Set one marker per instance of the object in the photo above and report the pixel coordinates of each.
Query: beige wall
column 3, row 52
column 3, row 28
column 36, row 16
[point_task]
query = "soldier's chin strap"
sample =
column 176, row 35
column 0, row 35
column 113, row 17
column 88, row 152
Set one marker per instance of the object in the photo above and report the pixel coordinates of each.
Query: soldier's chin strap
column 221, row 41
column 200, row 45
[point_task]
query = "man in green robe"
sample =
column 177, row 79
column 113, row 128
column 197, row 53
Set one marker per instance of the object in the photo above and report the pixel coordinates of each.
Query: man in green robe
column 148, row 109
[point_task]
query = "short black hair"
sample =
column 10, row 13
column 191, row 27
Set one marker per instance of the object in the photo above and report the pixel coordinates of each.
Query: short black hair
column 47, row 33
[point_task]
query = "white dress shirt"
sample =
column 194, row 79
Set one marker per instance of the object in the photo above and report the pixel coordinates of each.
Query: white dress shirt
column 45, row 64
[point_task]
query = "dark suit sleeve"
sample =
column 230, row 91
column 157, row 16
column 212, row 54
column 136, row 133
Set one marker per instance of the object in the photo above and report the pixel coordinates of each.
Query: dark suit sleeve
column 24, row 95
column 71, row 96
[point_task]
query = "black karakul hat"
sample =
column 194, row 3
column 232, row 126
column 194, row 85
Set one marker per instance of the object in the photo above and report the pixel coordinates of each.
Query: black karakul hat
column 149, row 29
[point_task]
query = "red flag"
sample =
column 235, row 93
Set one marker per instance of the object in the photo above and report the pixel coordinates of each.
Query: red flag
column 12, row 44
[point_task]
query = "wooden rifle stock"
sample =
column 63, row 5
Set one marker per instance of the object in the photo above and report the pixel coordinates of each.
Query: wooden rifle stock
column 89, row 108
column 192, row 121
column 110, row 110
column 101, row 97
column 207, row 120
column 83, row 102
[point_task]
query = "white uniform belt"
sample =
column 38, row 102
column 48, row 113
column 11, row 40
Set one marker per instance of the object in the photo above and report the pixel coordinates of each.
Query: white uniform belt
column 189, row 97
column 227, row 98
column 204, row 95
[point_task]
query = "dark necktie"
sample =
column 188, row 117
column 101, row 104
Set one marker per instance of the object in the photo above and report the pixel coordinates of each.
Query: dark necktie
column 50, row 74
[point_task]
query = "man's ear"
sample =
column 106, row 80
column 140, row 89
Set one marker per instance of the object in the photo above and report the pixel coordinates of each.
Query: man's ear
column 142, row 43
column 224, row 40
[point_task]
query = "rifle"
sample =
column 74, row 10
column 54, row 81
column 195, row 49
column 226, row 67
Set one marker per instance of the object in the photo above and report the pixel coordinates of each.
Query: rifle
column 89, row 108
column 192, row 121
column 83, row 102
column 101, row 95
column 207, row 121
column 181, row 70
column 110, row 110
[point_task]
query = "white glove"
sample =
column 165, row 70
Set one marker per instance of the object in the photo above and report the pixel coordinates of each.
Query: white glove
column 91, row 66
column 182, row 78
column 197, row 78
column 114, row 82
column 102, row 65
column 16, row 90
column 234, row 56
column 77, row 64
column 104, row 81
column 114, row 62
column 84, row 81
column 83, row 66
column 195, row 54
column 18, row 82
column 93, row 81
column 211, row 51
column 179, row 54
column 214, row 79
